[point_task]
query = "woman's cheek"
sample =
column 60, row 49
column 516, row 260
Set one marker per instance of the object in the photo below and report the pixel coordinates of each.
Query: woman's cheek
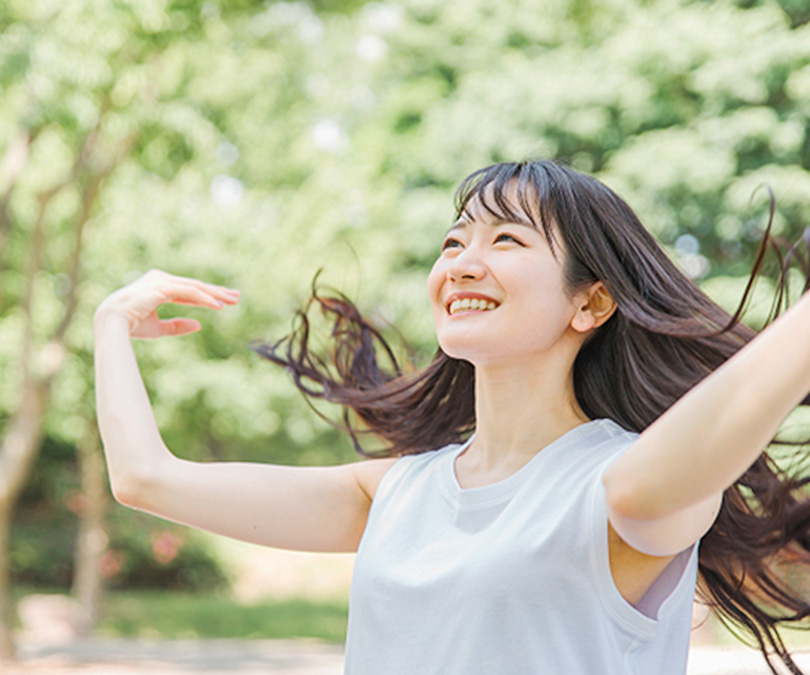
column 434, row 283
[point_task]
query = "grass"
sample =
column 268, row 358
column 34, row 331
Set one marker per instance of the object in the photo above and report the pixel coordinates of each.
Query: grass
column 173, row 615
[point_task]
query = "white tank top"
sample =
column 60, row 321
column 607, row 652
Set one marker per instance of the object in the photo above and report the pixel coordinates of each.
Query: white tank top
column 509, row 578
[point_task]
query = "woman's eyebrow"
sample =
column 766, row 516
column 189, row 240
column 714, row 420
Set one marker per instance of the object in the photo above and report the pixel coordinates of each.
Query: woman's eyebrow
column 462, row 224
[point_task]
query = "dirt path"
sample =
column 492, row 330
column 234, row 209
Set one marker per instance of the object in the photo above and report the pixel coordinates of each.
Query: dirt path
column 286, row 657
column 164, row 657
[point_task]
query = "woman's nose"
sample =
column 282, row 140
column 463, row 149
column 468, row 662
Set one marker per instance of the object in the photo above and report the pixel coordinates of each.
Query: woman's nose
column 466, row 265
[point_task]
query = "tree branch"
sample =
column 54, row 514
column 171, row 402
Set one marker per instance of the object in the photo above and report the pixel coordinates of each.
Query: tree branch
column 89, row 196
column 12, row 165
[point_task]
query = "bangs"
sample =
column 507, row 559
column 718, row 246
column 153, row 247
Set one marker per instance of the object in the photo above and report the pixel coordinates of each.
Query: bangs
column 510, row 192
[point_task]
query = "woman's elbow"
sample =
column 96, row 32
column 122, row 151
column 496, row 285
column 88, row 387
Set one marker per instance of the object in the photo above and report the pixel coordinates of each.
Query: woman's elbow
column 137, row 486
column 632, row 500
column 129, row 490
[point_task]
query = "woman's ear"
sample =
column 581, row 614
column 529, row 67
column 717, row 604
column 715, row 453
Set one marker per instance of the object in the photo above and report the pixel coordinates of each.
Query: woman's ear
column 594, row 306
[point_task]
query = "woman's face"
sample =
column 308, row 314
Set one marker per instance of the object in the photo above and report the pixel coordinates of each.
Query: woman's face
column 497, row 291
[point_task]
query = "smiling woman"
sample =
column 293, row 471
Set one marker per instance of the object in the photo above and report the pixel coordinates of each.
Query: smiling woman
column 585, row 448
column 593, row 321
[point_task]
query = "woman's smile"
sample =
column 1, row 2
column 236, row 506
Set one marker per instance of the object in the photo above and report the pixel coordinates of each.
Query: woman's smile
column 465, row 307
column 465, row 302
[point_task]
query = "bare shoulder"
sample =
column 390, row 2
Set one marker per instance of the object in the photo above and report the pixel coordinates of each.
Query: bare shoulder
column 369, row 472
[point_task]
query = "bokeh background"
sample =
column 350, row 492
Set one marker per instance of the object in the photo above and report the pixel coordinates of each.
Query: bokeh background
column 253, row 143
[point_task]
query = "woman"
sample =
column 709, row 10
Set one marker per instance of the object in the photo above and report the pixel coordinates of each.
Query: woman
column 565, row 535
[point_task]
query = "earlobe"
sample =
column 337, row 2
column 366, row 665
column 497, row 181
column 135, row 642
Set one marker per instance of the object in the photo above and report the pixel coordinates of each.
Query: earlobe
column 583, row 321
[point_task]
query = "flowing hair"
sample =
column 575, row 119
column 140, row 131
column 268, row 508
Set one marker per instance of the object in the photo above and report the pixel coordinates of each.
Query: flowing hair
column 665, row 336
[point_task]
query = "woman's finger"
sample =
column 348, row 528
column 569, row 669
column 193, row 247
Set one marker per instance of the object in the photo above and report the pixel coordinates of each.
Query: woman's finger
column 212, row 289
column 215, row 291
column 185, row 294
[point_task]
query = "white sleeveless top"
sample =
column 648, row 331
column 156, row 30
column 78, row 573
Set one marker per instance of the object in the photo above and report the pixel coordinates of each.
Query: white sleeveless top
column 509, row 578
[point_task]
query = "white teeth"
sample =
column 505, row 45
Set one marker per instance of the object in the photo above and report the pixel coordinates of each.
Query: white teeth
column 471, row 303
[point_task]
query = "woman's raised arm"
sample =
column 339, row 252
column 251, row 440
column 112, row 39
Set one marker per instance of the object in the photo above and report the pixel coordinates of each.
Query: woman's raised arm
column 665, row 491
column 301, row 508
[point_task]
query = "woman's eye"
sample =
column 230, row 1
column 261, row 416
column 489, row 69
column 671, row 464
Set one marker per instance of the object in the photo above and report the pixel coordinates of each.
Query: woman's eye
column 450, row 242
column 455, row 243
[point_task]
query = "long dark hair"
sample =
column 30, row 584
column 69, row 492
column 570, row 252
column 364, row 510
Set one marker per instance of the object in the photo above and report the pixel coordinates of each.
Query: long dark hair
column 665, row 336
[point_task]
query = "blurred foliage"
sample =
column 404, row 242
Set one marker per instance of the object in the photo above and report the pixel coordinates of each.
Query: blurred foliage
column 148, row 553
column 171, row 614
column 142, row 552
column 252, row 143
column 207, row 615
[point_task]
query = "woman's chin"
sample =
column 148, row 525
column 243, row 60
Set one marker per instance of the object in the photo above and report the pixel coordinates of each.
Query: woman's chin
column 472, row 353
column 455, row 353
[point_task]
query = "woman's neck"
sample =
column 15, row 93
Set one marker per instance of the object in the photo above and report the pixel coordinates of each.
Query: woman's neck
column 521, row 408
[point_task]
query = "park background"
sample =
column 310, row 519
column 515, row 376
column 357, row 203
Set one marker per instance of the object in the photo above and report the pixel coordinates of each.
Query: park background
column 254, row 143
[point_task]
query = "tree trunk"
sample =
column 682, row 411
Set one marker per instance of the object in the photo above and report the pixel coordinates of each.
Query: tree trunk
column 92, row 539
column 21, row 444
column 17, row 454
column 6, row 601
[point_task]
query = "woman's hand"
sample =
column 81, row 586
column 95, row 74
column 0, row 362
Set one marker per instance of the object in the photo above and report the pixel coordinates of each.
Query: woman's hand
column 138, row 303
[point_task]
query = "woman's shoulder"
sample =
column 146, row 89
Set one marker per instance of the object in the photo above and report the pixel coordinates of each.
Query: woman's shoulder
column 595, row 446
column 370, row 473
column 614, row 436
column 613, row 428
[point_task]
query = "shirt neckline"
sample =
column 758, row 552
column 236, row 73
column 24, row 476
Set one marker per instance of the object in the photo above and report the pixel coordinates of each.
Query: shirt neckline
column 487, row 495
